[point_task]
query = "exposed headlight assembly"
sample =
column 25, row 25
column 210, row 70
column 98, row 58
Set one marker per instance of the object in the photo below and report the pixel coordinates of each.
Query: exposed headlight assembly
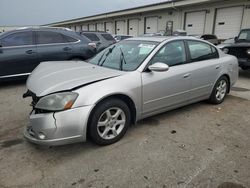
column 57, row 101
column 225, row 50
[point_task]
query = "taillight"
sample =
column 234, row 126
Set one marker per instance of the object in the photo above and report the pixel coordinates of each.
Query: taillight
column 92, row 44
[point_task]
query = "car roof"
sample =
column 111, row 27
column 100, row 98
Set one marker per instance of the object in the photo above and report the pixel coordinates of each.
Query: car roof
column 161, row 38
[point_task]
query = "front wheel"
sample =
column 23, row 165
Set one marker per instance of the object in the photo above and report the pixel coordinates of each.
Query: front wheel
column 220, row 91
column 109, row 122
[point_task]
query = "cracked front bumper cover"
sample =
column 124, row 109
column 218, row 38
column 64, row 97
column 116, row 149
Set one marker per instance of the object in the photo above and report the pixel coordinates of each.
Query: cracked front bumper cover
column 59, row 128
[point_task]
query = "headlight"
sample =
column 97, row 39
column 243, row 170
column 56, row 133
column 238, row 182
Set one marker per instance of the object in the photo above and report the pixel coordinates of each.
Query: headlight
column 225, row 50
column 57, row 101
column 248, row 51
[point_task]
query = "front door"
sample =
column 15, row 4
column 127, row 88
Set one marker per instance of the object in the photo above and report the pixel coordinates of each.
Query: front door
column 17, row 54
column 163, row 90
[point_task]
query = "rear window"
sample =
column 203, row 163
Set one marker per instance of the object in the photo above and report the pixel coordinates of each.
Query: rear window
column 107, row 37
column 207, row 37
column 91, row 36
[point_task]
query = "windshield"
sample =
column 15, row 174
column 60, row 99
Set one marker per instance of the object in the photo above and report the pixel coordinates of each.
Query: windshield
column 244, row 35
column 125, row 55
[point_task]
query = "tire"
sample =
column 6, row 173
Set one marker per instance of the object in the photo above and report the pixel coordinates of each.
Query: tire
column 220, row 91
column 109, row 122
column 244, row 68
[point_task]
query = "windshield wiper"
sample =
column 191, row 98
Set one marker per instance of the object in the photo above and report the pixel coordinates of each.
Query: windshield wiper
column 107, row 54
column 122, row 60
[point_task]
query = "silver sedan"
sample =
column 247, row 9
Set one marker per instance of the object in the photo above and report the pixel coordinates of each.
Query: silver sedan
column 129, row 81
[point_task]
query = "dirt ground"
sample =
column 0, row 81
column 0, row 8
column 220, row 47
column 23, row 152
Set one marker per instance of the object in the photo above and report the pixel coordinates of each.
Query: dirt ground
column 200, row 145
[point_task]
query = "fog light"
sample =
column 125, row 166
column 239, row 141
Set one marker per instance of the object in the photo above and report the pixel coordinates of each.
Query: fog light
column 41, row 136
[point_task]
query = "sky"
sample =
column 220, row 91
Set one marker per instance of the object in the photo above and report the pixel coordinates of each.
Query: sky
column 39, row 12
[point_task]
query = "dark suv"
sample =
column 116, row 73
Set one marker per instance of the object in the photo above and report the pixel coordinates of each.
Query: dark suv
column 23, row 49
column 101, row 39
column 240, row 48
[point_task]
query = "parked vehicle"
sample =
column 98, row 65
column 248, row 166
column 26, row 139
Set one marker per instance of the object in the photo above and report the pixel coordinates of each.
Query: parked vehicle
column 226, row 42
column 151, row 35
column 118, row 38
column 131, row 80
column 179, row 32
column 101, row 39
column 208, row 37
column 23, row 49
column 240, row 48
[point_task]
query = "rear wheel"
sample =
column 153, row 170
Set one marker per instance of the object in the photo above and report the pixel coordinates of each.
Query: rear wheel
column 109, row 122
column 220, row 91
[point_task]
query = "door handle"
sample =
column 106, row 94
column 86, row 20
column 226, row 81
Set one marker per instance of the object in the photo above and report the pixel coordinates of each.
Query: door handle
column 30, row 52
column 67, row 49
column 217, row 67
column 187, row 75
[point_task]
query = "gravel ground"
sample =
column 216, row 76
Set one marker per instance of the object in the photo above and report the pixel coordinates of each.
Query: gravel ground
column 200, row 145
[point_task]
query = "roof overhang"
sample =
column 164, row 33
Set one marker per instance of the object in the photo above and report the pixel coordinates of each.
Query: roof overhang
column 171, row 4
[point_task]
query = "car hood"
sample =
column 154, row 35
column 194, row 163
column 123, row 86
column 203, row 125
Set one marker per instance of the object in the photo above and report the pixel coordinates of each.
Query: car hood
column 51, row 77
column 237, row 44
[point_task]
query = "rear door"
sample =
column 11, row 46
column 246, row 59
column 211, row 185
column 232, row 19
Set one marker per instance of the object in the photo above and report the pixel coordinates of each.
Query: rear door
column 206, row 68
column 18, row 54
column 52, row 46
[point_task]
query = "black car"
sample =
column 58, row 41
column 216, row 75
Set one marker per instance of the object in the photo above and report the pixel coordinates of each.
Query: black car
column 240, row 48
column 100, row 38
column 23, row 49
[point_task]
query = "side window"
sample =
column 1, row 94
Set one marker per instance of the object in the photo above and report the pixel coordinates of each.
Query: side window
column 70, row 39
column 48, row 37
column 200, row 51
column 171, row 54
column 108, row 37
column 18, row 39
column 91, row 36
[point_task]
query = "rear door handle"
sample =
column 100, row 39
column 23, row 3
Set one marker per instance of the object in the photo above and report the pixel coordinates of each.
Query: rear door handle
column 30, row 52
column 187, row 75
column 67, row 49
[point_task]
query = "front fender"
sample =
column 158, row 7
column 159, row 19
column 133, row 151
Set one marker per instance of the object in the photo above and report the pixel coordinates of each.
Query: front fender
column 128, row 84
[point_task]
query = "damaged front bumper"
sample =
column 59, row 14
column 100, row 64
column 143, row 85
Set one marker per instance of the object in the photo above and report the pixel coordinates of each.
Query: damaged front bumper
column 58, row 128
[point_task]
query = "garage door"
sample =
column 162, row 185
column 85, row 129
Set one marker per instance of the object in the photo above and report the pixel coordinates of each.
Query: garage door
column 120, row 28
column 195, row 22
column 151, row 25
column 84, row 27
column 92, row 27
column 109, row 27
column 133, row 27
column 100, row 27
column 78, row 28
column 228, row 22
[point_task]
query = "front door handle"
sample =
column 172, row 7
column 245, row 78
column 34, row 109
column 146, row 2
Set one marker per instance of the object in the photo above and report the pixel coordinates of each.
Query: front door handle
column 187, row 75
column 217, row 67
column 67, row 49
column 30, row 52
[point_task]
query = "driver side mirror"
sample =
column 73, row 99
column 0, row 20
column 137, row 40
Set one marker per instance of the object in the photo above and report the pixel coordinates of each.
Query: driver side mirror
column 159, row 67
column 236, row 38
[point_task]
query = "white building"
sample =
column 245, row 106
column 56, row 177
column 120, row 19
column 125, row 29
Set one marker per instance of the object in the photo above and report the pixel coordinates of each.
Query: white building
column 224, row 18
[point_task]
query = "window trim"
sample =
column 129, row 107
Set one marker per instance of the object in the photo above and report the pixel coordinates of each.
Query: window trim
column 51, row 44
column 169, row 42
column 189, row 53
column 20, row 46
